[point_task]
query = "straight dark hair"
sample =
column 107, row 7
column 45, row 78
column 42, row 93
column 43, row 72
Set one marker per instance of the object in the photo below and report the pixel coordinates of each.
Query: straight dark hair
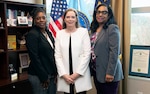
column 111, row 19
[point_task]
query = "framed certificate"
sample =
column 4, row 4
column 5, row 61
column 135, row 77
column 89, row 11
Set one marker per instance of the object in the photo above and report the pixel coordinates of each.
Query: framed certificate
column 24, row 60
column 139, row 61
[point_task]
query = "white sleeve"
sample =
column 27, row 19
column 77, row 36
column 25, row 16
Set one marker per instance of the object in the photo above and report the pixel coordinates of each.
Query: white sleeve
column 85, row 56
column 58, row 56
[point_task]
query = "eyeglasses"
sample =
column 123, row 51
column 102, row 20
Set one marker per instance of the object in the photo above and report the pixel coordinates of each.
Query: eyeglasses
column 103, row 12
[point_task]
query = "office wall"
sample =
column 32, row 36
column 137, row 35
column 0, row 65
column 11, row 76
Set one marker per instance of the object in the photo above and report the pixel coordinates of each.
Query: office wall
column 138, row 85
column 133, row 84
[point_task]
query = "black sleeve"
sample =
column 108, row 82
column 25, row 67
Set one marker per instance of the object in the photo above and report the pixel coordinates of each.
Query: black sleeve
column 32, row 43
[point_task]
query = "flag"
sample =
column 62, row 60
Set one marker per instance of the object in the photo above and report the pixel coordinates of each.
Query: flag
column 57, row 10
column 97, row 2
column 85, row 9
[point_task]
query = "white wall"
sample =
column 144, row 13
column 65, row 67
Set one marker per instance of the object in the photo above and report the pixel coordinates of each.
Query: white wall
column 138, row 85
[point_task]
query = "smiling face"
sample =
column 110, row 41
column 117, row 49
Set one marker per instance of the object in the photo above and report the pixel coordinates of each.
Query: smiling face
column 70, row 19
column 102, row 15
column 40, row 20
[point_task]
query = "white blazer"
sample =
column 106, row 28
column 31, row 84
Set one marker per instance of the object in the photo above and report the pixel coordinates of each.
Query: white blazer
column 81, row 50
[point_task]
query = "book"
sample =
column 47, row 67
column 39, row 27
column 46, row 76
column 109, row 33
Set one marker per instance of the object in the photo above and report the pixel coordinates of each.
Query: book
column 11, row 41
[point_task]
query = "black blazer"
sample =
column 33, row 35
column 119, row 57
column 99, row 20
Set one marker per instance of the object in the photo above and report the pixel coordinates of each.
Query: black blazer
column 41, row 54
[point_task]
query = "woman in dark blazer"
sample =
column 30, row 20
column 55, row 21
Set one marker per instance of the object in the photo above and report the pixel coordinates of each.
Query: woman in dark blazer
column 40, row 44
column 105, row 40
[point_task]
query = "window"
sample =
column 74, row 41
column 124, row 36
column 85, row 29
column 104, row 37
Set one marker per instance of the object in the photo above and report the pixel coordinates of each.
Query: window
column 140, row 22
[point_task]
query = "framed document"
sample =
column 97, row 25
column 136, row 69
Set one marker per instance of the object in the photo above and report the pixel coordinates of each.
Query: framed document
column 24, row 60
column 139, row 61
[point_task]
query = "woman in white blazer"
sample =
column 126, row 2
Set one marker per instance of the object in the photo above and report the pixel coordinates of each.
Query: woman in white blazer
column 80, row 79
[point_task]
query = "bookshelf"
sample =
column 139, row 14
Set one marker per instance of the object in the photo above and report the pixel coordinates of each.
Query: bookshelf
column 11, row 10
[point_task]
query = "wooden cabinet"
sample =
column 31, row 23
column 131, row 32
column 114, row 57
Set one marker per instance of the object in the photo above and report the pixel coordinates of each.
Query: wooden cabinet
column 20, row 86
column 8, row 56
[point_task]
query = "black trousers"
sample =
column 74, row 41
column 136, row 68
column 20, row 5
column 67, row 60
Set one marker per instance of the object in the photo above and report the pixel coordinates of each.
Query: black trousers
column 84, row 92
column 72, row 90
column 106, row 88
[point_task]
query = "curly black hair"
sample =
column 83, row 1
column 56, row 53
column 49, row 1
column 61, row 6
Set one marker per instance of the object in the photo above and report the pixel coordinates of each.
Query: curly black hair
column 35, row 11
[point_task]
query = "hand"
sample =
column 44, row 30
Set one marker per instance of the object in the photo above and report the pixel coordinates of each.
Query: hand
column 45, row 84
column 68, row 79
column 109, row 78
column 75, row 76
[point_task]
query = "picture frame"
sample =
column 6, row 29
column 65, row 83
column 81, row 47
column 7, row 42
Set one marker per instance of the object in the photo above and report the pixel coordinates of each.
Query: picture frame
column 139, row 61
column 22, row 20
column 13, row 22
column 24, row 60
